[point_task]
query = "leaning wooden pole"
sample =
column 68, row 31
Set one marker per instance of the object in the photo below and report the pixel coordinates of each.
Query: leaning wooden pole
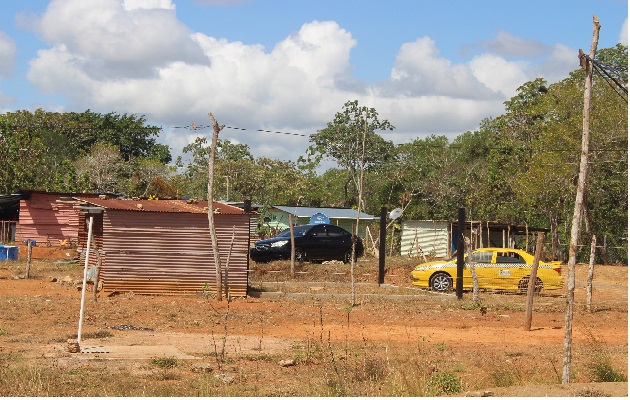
column 531, row 287
column 213, row 233
column 587, row 64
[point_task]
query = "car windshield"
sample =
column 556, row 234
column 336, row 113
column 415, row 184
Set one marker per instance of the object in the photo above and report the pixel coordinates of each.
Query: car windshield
column 297, row 231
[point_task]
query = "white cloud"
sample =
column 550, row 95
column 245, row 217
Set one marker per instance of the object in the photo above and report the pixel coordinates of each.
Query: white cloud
column 623, row 36
column 419, row 71
column 498, row 74
column 7, row 53
column 7, row 60
column 148, row 4
column 111, row 41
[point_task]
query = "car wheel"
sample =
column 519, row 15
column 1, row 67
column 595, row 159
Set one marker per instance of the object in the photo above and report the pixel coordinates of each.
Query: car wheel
column 524, row 283
column 300, row 256
column 441, row 282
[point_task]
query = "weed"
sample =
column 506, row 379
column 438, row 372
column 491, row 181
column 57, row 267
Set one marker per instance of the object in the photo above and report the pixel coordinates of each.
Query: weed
column 165, row 362
column 441, row 346
column 504, row 377
column 3, row 331
column 372, row 369
column 260, row 357
column 606, row 373
column 601, row 366
column 442, row 383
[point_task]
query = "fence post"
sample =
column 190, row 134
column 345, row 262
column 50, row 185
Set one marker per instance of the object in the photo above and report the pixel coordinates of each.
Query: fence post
column 532, row 282
column 591, row 270
column 28, row 260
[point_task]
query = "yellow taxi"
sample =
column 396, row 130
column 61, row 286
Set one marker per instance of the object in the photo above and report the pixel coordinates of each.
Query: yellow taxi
column 496, row 268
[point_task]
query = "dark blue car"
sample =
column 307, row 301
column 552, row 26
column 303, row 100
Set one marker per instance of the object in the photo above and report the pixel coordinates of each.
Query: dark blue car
column 318, row 242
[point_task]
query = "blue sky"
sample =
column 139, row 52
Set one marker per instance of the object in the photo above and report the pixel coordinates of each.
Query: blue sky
column 428, row 67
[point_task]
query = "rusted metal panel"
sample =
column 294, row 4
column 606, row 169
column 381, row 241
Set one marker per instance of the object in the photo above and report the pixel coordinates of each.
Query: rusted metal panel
column 171, row 252
column 166, row 206
column 47, row 220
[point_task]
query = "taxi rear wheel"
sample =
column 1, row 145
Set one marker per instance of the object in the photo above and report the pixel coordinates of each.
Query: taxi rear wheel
column 524, row 283
column 441, row 282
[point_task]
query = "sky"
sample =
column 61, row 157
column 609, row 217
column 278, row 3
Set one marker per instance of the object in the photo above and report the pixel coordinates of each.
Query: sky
column 275, row 71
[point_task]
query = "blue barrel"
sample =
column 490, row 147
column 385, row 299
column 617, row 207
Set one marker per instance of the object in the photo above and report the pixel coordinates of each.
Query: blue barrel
column 9, row 253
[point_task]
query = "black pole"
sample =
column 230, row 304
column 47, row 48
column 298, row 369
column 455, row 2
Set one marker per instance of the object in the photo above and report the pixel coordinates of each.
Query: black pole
column 461, row 223
column 381, row 246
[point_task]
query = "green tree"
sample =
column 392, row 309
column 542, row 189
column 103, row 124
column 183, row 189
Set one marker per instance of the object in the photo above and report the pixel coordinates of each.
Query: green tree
column 343, row 141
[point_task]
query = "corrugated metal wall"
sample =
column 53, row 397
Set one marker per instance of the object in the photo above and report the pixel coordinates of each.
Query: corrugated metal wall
column 162, row 253
column 428, row 237
column 47, row 221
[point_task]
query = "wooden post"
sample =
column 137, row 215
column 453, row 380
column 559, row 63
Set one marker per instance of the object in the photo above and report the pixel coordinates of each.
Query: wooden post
column 28, row 260
column 381, row 246
column 587, row 63
column 85, row 267
column 97, row 272
column 227, row 266
column 459, row 280
column 591, row 271
column 292, row 246
column 531, row 287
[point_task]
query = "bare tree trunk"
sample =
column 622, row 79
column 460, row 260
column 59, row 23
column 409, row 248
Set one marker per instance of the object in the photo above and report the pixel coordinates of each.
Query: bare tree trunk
column 579, row 202
column 356, row 230
column 213, row 233
column 556, row 249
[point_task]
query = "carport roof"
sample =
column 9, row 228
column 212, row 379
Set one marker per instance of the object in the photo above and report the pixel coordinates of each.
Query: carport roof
column 330, row 212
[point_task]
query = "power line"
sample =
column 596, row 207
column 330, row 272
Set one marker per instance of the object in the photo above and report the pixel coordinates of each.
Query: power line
column 194, row 127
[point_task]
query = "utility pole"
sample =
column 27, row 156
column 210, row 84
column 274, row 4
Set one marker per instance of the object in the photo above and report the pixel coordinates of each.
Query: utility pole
column 213, row 233
column 587, row 63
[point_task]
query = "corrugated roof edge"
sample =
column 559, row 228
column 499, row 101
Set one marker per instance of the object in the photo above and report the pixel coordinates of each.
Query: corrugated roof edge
column 166, row 206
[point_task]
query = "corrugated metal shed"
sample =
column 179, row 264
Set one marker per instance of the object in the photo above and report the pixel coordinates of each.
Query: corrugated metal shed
column 424, row 238
column 428, row 236
column 164, row 246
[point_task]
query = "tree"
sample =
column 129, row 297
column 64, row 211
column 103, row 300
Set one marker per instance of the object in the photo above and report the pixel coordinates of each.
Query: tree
column 342, row 140
column 57, row 140
column 103, row 168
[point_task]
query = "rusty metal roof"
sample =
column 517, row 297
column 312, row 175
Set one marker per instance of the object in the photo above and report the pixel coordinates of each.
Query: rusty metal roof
column 167, row 206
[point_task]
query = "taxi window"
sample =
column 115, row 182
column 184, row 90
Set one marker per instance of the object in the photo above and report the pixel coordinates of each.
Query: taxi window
column 510, row 258
column 482, row 257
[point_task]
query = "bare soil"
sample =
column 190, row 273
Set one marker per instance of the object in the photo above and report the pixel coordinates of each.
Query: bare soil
column 297, row 335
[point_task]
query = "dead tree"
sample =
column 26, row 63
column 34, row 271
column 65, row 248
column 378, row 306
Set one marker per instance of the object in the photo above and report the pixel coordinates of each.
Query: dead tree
column 213, row 233
column 587, row 64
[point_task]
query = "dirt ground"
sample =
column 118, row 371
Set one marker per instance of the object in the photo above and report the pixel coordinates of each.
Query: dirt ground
column 272, row 335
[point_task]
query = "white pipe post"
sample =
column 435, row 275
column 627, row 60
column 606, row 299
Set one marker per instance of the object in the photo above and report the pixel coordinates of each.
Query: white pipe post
column 85, row 268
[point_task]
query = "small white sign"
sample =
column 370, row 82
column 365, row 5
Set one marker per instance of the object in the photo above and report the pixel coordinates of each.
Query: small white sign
column 504, row 272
